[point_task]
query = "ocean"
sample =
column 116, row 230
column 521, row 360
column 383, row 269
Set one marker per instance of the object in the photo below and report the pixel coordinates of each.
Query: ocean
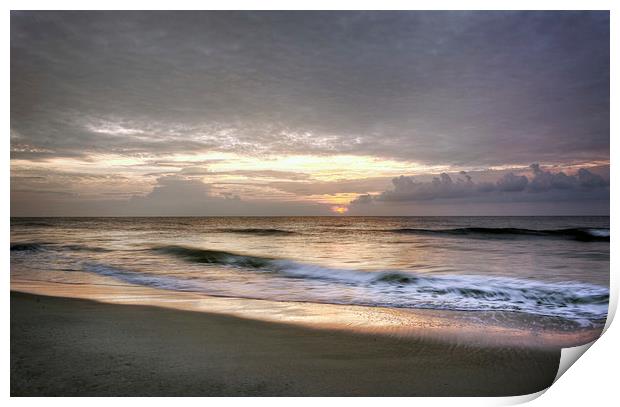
column 552, row 267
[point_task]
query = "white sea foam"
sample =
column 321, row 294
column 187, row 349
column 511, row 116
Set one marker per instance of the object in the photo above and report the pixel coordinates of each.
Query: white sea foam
column 293, row 281
column 599, row 232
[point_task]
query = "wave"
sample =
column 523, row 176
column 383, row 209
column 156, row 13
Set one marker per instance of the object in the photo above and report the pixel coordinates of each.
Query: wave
column 214, row 256
column 79, row 248
column 143, row 279
column 22, row 247
column 241, row 275
column 580, row 234
column 259, row 231
column 36, row 247
column 570, row 300
column 30, row 224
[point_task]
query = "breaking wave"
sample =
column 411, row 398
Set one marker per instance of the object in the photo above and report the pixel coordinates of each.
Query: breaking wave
column 214, row 256
column 288, row 280
column 570, row 300
column 580, row 234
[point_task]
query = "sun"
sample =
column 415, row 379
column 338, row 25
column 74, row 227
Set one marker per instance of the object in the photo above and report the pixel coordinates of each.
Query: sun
column 340, row 209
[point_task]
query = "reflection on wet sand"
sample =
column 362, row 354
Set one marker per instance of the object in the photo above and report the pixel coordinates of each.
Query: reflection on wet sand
column 458, row 327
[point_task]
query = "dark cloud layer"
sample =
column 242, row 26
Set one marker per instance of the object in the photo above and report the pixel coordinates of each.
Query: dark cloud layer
column 136, row 113
column 467, row 88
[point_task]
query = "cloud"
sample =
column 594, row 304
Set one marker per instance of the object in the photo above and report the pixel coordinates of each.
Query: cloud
column 179, row 195
column 583, row 184
column 456, row 88
column 314, row 187
column 262, row 174
column 406, row 189
column 173, row 189
column 175, row 195
column 129, row 94
column 362, row 199
column 170, row 196
column 509, row 183
column 590, row 180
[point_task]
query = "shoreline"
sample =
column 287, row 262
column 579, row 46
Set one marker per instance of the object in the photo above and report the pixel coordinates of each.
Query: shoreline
column 491, row 329
column 66, row 346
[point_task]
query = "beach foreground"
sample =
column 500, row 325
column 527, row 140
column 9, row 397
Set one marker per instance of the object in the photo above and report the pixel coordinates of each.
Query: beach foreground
column 73, row 347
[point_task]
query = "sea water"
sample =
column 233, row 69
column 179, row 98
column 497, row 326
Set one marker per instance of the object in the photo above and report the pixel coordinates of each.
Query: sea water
column 540, row 266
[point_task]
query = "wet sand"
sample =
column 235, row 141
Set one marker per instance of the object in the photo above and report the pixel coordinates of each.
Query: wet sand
column 75, row 347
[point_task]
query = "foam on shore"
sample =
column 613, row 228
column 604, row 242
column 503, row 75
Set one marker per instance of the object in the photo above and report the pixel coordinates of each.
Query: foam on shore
column 492, row 328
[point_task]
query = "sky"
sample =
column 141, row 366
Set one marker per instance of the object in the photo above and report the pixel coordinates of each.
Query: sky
column 309, row 113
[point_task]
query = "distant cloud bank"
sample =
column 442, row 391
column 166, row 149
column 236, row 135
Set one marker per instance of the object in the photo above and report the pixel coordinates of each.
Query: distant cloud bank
column 406, row 189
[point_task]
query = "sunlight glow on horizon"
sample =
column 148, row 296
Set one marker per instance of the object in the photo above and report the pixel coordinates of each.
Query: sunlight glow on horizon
column 341, row 210
column 253, row 177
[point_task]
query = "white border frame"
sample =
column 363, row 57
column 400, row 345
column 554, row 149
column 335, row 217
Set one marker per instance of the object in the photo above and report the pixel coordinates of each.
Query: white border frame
column 590, row 381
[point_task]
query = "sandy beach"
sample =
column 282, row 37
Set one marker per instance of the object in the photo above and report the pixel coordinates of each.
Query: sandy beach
column 73, row 347
column 307, row 203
